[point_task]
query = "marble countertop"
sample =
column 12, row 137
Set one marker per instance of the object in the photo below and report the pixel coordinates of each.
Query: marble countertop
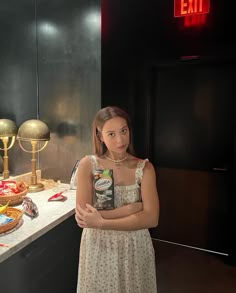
column 50, row 215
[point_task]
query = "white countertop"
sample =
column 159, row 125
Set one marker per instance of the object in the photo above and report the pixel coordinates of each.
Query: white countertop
column 50, row 215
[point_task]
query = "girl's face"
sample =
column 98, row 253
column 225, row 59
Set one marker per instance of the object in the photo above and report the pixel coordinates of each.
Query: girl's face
column 115, row 135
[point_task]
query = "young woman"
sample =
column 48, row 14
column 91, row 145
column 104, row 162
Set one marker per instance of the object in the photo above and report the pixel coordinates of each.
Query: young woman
column 116, row 251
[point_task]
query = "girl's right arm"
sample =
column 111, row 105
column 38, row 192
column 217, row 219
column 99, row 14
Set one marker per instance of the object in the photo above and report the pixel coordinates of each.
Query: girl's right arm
column 123, row 211
column 145, row 219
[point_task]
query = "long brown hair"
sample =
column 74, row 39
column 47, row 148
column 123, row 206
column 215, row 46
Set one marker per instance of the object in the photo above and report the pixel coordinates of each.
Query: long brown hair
column 101, row 117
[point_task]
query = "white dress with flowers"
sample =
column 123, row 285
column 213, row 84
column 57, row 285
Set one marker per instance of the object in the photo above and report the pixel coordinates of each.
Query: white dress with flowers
column 118, row 261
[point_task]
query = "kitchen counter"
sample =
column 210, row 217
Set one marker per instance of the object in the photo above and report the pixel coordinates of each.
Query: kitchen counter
column 51, row 214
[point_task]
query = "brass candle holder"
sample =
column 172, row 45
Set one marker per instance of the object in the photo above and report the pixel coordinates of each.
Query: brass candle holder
column 33, row 136
column 8, row 131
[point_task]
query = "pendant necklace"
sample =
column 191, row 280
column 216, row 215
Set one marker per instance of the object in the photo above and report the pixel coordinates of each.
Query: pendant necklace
column 117, row 162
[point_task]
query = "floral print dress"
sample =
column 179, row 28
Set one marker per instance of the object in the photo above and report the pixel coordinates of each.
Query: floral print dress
column 118, row 261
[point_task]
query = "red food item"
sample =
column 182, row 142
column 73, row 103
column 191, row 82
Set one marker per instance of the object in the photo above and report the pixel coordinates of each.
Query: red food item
column 11, row 186
column 57, row 196
column 15, row 190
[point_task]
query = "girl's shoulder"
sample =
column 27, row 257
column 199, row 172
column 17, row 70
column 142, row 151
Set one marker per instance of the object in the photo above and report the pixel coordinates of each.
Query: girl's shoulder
column 142, row 164
column 138, row 161
column 86, row 161
column 91, row 162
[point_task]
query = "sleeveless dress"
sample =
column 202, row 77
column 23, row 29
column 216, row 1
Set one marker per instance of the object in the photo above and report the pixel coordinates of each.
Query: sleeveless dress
column 118, row 261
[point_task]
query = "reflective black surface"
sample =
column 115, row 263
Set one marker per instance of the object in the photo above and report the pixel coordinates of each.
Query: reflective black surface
column 17, row 61
column 50, row 69
column 69, row 68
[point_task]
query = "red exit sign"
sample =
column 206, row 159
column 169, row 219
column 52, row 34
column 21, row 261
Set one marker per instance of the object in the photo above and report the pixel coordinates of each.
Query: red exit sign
column 191, row 7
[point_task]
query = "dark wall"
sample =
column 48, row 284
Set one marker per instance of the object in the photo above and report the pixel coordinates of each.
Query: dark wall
column 194, row 115
column 137, row 31
column 178, row 85
column 136, row 36
column 50, row 69
column 69, row 66
column 18, row 92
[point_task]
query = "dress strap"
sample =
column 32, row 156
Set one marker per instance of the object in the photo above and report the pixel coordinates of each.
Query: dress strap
column 139, row 171
column 94, row 162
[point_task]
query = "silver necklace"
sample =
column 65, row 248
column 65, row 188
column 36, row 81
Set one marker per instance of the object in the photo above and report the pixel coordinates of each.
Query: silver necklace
column 117, row 162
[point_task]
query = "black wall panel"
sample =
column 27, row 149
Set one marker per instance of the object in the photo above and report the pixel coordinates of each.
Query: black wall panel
column 18, row 96
column 50, row 69
column 194, row 116
column 69, row 67
column 178, row 85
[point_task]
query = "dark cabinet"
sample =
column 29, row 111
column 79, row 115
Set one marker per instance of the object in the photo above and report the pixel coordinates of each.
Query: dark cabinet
column 49, row 264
